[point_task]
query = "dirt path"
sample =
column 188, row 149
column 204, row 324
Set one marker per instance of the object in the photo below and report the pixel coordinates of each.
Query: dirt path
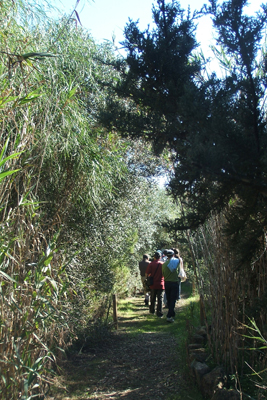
column 126, row 366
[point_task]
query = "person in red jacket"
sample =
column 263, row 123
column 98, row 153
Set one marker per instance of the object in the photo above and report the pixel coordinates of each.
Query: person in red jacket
column 155, row 269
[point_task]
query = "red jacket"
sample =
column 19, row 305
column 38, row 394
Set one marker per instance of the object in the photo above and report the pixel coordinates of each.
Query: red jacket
column 155, row 269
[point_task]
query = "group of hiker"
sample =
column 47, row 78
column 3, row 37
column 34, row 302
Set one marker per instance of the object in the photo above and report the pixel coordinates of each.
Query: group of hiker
column 163, row 273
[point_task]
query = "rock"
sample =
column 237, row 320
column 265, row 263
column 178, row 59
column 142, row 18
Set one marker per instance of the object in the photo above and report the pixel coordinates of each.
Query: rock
column 198, row 339
column 194, row 346
column 202, row 332
column 225, row 394
column 199, row 354
column 211, row 383
column 212, row 380
column 199, row 370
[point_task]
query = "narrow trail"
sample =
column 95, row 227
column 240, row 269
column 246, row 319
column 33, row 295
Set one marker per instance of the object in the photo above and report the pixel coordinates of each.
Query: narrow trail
column 126, row 366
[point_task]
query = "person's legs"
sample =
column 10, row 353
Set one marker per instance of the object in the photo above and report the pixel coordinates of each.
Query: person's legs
column 165, row 299
column 174, row 287
column 168, row 292
column 159, row 305
column 152, row 300
column 145, row 290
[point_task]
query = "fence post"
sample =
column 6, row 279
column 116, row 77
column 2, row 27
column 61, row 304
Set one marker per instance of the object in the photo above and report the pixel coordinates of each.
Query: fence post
column 202, row 310
column 115, row 316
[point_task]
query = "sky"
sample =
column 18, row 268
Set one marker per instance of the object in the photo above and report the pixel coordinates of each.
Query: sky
column 106, row 19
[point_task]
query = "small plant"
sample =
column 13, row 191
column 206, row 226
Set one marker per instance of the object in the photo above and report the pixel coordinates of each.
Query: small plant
column 258, row 376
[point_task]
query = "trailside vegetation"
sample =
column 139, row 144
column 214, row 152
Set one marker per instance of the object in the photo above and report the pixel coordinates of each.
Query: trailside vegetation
column 75, row 198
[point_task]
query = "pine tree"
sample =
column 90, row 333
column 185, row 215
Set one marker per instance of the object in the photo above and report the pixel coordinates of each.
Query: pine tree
column 156, row 75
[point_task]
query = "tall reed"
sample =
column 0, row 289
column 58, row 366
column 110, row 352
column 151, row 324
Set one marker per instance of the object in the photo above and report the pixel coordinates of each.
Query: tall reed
column 232, row 296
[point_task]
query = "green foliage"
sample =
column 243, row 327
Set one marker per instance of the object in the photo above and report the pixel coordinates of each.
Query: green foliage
column 256, row 375
column 228, row 169
column 156, row 77
column 73, row 206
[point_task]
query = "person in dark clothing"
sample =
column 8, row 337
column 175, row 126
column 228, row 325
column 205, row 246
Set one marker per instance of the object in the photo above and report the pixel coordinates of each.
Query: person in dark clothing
column 155, row 269
column 142, row 268
column 172, row 281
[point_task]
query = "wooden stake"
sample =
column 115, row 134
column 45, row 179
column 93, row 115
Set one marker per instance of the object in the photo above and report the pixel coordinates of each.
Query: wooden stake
column 115, row 315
